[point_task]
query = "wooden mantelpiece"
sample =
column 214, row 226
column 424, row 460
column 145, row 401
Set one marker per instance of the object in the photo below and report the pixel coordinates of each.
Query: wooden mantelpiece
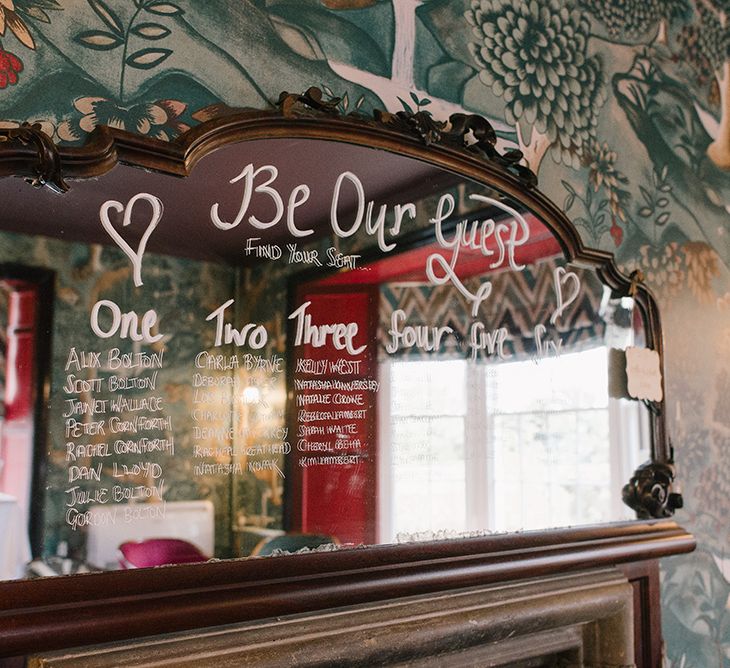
column 581, row 619
column 85, row 610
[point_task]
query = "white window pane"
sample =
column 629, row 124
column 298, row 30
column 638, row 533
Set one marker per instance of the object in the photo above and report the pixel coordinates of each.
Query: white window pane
column 424, row 387
column 550, row 440
column 427, row 446
column 550, row 384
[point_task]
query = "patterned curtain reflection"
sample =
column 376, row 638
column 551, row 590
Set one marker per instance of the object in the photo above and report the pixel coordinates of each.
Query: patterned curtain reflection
column 519, row 301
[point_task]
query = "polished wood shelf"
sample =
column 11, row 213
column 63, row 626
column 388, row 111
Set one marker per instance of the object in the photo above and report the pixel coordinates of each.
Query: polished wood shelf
column 101, row 607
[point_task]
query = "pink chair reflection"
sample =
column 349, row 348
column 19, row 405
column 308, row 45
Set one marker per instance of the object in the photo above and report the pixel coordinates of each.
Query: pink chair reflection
column 159, row 552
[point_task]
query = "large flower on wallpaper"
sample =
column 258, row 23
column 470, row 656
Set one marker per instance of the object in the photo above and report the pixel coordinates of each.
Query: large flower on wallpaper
column 159, row 119
column 534, row 55
column 9, row 19
column 12, row 13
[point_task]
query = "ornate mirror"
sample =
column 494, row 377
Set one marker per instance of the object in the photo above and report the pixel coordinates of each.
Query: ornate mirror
column 297, row 335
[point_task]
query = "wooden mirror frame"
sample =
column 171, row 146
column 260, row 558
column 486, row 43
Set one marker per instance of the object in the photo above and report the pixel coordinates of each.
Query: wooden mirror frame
column 68, row 611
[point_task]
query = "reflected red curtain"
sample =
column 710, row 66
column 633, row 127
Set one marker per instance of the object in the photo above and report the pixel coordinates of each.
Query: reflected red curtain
column 17, row 440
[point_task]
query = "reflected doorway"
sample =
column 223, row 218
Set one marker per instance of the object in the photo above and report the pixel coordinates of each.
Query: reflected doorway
column 26, row 316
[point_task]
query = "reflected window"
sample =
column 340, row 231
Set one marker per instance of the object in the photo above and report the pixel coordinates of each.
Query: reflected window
column 427, row 443
column 547, row 433
column 502, row 447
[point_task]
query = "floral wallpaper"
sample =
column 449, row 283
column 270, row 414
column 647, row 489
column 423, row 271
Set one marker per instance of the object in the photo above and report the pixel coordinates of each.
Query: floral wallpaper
column 622, row 107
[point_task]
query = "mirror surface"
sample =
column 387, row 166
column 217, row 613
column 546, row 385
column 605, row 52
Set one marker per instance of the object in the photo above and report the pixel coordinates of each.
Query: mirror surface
column 304, row 344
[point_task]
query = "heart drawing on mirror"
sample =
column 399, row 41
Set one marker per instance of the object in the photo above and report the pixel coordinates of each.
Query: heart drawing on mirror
column 561, row 277
column 134, row 256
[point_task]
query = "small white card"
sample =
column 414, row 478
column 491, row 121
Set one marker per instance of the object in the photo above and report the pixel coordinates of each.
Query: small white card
column 644, row 374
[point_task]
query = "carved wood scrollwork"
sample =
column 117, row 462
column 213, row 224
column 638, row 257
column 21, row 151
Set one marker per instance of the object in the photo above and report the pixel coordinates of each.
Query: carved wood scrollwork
column 453, row 133
column 47, row 170
column 649, row 492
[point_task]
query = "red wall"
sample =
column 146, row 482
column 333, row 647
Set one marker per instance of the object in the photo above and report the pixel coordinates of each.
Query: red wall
column 337, row 499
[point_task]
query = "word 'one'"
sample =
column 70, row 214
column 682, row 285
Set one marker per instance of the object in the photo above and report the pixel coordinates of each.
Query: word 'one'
column 127, row 325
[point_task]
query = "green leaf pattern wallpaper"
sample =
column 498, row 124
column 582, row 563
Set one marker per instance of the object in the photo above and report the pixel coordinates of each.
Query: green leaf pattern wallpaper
column 622, row 107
